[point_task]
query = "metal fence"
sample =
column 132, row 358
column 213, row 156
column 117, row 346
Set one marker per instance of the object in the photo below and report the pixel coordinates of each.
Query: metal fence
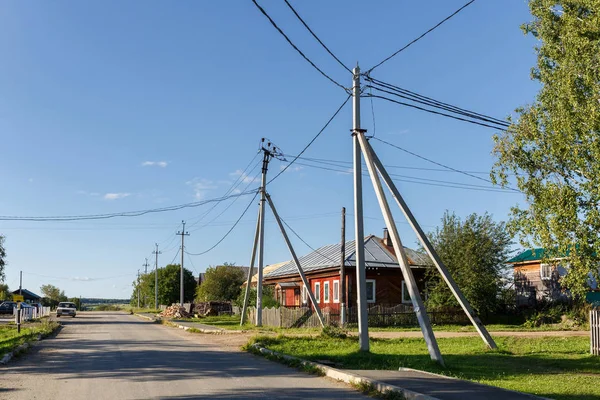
column 595, row 332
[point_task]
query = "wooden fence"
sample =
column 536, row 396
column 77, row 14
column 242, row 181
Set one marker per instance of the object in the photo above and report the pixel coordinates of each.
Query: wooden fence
column 27, row 314
column 595, row 332
column 380, row 316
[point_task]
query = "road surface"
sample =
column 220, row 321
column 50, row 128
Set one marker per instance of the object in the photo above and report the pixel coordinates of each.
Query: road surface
column 104, row 355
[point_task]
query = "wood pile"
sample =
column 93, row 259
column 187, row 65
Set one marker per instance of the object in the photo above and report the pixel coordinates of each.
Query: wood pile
column 175, row 311
column 211, row 308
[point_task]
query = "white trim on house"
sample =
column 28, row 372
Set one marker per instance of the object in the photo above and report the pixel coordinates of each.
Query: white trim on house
column 546, row 268
column 373, row 291
column 304, row 295
column 326, row 294
column 318, row 292
column 336, row 291
column 405, row 294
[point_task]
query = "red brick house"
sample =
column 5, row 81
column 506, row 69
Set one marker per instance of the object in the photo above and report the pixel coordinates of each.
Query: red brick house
column 385, row 283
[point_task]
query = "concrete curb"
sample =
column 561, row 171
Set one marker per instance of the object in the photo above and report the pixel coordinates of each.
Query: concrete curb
column 25, row 346
column 187, row 328
column 348, row 377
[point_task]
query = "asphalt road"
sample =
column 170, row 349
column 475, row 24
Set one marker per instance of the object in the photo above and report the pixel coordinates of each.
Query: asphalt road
column 117, row 356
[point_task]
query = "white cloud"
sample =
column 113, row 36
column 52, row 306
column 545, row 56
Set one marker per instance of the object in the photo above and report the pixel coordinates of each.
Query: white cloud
column 245, row 177
column 291, row 169
column 161, row 164
column 115, row 196
column 400, row 132
column 83, row 279
column 200, row 186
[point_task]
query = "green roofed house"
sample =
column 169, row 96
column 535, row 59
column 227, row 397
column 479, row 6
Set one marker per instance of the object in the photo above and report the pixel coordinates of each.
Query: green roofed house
column 536, row 279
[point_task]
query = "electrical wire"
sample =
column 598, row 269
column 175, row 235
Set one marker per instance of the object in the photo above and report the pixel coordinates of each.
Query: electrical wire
column 316, row 37
column 420, row 37
column 125, row 213
column 440, row 164
column 435, row 112
column 176, row 254
column 228, row 232
column 296, row 48
column 304, row 241
column 312, row 140
column 77, row 279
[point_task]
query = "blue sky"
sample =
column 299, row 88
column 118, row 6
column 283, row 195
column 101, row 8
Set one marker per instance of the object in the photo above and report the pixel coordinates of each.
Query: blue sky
column 112, row 106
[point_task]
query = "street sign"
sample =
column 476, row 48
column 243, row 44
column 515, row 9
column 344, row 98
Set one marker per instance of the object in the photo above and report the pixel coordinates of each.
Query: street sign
column 18, row 298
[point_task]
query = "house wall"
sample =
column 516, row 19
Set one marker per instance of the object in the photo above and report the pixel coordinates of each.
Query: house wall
column 531, row 287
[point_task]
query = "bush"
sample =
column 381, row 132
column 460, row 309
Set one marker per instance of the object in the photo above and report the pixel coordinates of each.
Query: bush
column 334, row 332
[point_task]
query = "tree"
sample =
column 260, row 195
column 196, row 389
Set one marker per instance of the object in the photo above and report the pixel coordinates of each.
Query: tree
column 268, row 297
column 221, row 283
column 553, row 147
column 52, row 295
column 2, row 259
column 5, row 293
column 168, row 286
column 474, row 251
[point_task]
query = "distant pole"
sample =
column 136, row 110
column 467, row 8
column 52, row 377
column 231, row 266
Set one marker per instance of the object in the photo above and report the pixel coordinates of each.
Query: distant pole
column 145, row 265
column 138, row 288
column 156, row 253
column 359, row 234
column 183, row 234
column 20, row 282
column 342, row 287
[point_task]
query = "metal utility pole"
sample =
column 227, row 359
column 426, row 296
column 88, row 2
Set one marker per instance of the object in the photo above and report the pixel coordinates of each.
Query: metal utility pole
column 138, row 288
column 359, row 234
column 20, row 283
column 145, row 265
column 250, row 271
column 342, row 287
column 19, row 303
column 267, row 155
column 156, row 253
column 183, row 234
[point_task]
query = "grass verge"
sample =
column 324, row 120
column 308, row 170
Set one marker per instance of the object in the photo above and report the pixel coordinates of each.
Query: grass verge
column 10, row 339
column 556, row 367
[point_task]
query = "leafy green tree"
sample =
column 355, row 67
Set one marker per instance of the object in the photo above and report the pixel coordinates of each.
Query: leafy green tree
column 267, row 301
column 2, row 259
column 75, row 300
column 52, row 295
column 5, row 293
column 168, row 286
column 221, row 283
column 474, row 251
column 553, row 147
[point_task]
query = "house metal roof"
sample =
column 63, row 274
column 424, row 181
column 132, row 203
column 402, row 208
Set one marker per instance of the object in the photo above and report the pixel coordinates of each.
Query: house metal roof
column 377, row 255
column 26, row 293
column 536, row 255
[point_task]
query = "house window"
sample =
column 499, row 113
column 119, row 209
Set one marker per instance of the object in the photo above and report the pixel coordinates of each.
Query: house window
column 370, row 290
column 304, row 295
column 326, row 292
column 405, row 294
column 336, row 291
column 546, row 271
column 318, row 291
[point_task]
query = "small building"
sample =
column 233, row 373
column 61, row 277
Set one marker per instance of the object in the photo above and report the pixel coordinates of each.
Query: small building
column 536, row 278
column 385, row 283
column 28, row 296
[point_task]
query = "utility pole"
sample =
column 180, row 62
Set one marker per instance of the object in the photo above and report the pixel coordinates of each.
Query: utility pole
column 20, row 283
column 183, row 234
column 19, row 303
column 145, row 265
column 267, row 155
column 359, row 234
column 156, row 253
column 138, row 288
column 342, row 287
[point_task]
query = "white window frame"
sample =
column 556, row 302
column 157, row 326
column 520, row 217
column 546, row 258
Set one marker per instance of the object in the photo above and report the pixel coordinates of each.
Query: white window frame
column 336, row 292
column 326, row 293
column 405, row 292
column 542, row 276
column 318, row 292
column 374, row 291
column 304, row 295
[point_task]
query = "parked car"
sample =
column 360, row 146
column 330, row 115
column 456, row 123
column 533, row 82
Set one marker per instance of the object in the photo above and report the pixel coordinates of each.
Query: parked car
column 65, row 308
column 8, row 307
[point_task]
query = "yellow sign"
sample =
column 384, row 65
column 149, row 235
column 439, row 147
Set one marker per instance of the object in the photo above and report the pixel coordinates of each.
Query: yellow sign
column 17, row 298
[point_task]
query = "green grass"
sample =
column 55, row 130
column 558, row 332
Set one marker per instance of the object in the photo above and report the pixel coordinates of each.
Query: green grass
column 10, row 339
column 490, row 327
column 553, row 367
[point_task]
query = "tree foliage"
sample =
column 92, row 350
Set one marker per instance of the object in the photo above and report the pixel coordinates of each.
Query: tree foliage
column 221, row 283
column 474, row 251
column 168, row 286
column 554, row 146
column 268, row 298
column 52, row 295
column 5, row 293
column 2, row 259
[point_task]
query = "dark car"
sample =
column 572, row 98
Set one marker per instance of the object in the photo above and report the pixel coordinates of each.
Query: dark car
column 8, row 307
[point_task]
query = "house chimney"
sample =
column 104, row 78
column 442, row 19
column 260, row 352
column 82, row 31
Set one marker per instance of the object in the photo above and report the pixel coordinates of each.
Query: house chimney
column 386, row 238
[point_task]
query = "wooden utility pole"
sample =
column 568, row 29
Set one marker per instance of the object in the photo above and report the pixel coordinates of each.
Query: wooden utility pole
column 156, row 253
column 342, row 287
column 183, row 234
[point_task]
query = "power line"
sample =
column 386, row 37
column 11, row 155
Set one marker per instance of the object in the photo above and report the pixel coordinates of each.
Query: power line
column 440, row 164
column 420, row 37
column 312, row 140
column 228, row 232
column 176, row 254
column 434, row 112
column 125, row 213
column 295, row 47
column 77, row 279
column 308, row 245
column 316, row 37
